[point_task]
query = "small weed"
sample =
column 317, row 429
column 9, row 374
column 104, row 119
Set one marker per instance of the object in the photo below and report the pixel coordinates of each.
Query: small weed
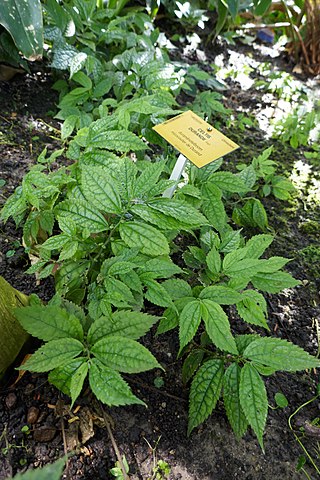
column 117, row 471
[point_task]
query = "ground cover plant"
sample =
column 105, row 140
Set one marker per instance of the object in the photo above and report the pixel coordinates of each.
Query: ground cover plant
column 114, row 245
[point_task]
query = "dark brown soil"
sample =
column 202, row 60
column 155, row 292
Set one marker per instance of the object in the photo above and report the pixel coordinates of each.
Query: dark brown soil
column 145, row 436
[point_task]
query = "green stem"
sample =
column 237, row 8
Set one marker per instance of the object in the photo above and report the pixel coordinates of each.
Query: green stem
column 296, row 436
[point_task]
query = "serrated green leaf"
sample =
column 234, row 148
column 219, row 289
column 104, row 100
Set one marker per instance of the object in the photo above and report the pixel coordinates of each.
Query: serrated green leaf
column 179, row 210
column 259, row 214
column 118, row 293
column 191, row 364
column 148, row 178
column 157, row 294
column 236, row 417
column 213, row 260
column 222, row 295
column 61, row 377
column 205, row 392
column 257, row 245
column 145, row 237
column 253, row 400
column 77, row 381
column 279, row 354
column 189, row 322
column 243, row 268
column 49, row 322
column 274, row 282
column 252, row 313
column 56, row 242
column 161, row 267
column 124, row 354
column 53, row 354
column 169, row 321
column 257, row 298
column 68, row 250
column 100, row 189
column 82, row 214
column 118, row 140
column 230, row 241
column 177, row 288
column 228, row 182
column 217, row 326
column 162, row 221
column 213, row 206
column 272, row 264
column 243, row 341
column 109, row 387
column 122, row 322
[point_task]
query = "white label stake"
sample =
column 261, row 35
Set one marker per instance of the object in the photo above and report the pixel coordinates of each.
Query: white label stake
column 176, row 175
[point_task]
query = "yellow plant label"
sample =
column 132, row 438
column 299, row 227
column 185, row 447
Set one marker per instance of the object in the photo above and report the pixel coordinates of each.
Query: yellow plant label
column 196, row 139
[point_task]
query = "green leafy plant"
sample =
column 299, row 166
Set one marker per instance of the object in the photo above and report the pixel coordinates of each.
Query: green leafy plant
column 22, row 19
column 52, row 471
column 117, row 470
column 75, row 347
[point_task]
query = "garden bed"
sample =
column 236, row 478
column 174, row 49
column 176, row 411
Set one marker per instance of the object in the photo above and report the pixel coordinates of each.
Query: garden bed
column 143, row 435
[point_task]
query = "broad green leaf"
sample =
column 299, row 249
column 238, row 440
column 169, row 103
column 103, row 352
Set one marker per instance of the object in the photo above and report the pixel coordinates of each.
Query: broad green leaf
column 179, row 210
column 274, row 282
column 117, row 293
column 147, row 238
column 257, row 298
column 83, row 215
column 233, row 6
column 191, row 364
column 53, row 354
column 273, row 264
column 205, row 392
column 217, row 326
column 77, row 381
column 177, row 288
column 230, row 241
column 161, row 267
column 243, row 341
column 148, row 178
column 157, row 294
column 23, row 20
column 236, row 417
column 100, row 189
column 279, row 354
column 49, row 322
column 257, row 245
column 56, row 242
column 53, row 471
column 213, row 260
column 222, row 295
column 61, row 377
column 169, row 321
column 68, row 250
column 259, row 214
column 248, row 175
column 121, row 268
column 213, row 206
column 124, row 354
column 234, row 257
column 118, row 140
column 122, row 322
column 252, row 313
column 244, row 268
column 109, row 387
column 228, row 182
column 189, row 322
column 253, row 400
column 162, row 221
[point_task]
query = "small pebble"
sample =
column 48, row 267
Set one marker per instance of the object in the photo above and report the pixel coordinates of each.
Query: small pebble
column 33, row 415
column 11, row 399
column 44, row 434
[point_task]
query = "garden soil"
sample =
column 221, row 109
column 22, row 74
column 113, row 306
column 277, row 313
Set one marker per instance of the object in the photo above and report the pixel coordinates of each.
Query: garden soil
column 35, row 420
